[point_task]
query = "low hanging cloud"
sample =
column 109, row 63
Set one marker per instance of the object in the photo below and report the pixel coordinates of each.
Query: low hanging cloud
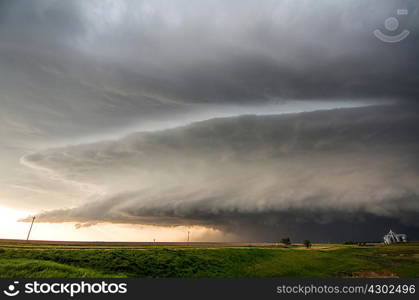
column 255, row 176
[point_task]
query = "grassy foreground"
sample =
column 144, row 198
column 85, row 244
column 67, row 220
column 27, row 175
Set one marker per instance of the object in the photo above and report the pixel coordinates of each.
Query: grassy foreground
column 294, row 261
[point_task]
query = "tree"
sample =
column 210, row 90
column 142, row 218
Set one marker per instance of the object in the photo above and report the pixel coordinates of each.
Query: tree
column 286, row 241
column 307, row 243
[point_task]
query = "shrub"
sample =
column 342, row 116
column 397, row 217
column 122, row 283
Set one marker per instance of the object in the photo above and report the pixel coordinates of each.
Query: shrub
column 286, row 241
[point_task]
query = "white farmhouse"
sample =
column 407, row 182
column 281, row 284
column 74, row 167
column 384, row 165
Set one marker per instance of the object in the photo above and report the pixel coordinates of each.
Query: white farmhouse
column 392, row 237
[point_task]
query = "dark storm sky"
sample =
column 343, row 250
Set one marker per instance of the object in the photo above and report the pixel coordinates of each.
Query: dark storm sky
column 76, row 73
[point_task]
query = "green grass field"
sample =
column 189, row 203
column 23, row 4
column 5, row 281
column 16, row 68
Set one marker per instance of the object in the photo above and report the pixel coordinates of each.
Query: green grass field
column 272, row 261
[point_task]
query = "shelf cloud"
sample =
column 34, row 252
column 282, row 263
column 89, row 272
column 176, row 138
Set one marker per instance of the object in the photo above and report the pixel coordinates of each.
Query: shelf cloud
column 346, row 165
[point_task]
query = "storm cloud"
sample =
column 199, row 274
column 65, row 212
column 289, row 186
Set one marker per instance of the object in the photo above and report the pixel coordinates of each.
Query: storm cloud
column 346, row 165
column 174, row 113
column 216, row 51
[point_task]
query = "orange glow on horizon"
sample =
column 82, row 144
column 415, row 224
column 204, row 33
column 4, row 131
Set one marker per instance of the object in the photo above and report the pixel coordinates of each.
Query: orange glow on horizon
column 11, row 228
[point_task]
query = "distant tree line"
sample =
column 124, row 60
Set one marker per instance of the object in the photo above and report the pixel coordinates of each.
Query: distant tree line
column 362, row 243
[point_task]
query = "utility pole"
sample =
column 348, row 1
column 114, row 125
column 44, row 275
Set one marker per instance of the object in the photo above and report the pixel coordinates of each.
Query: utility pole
column 188, row 236
column 30, row 229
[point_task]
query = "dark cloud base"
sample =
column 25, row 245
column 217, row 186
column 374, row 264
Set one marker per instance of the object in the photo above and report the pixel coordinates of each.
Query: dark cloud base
column 328, row 175
column 268, row 227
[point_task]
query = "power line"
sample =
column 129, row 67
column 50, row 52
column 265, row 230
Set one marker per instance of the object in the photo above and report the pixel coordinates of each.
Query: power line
column 30, row 229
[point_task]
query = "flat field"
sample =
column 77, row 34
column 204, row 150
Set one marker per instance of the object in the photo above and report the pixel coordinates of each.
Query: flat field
column 43, row 259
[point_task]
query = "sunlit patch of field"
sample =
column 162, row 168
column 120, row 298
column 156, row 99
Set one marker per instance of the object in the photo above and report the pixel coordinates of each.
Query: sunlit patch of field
column 226, row 260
